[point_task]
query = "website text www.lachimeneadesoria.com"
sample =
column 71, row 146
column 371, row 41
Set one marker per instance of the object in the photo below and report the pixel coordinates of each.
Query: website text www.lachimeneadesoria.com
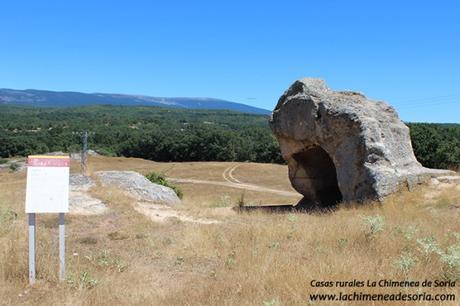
column 420, row 293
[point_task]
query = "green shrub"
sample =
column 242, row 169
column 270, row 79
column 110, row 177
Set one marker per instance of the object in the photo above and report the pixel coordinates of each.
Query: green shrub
column 82, row 281
column 451, row 259
column 374, row 225
column 105, row 260
column 225, row 201
column 161, row 180
column 272, row 302
column 428, row 246
column 3, row 161
column 405, row 262
column 14, row 167
column 106, row 152
column 410, row 231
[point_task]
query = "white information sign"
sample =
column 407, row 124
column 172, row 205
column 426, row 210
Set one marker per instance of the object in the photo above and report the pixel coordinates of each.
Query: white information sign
column 47, row 184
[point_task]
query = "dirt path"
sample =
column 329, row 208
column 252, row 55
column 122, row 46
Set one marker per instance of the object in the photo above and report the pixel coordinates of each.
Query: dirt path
column 83, row 203
column 162, row 213
column 231, row 181
column 228, row 175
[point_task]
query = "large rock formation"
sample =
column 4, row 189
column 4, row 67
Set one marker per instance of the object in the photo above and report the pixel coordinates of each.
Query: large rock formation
column 340, row 146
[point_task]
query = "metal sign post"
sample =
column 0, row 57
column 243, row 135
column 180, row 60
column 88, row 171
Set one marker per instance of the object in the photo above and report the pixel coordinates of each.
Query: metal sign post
column 47, row 192
column 31, row 248
column 61, row 247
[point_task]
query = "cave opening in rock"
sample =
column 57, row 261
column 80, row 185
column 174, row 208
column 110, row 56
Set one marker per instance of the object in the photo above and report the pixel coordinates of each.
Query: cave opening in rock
column 317, row 172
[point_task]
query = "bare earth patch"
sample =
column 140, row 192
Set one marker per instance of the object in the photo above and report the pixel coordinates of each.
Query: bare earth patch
column 161, row 213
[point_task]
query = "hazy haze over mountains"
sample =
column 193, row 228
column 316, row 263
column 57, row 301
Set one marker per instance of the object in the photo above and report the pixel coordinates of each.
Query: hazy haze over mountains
column 44, row 98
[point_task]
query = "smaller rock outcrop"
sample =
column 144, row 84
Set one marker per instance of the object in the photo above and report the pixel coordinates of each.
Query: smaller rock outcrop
column 77, row 156
column 139, row 187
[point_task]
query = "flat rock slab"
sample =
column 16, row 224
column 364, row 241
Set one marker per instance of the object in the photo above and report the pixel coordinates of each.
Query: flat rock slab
column 80, row 201
column 20, row 165
column 139, row 187
column 80, row 182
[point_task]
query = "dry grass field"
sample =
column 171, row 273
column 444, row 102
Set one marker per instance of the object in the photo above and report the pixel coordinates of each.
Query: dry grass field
column 258, row 258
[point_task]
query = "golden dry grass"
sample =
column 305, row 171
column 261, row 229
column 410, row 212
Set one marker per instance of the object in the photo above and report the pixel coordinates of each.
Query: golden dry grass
column 122, row 258
column 202, row 195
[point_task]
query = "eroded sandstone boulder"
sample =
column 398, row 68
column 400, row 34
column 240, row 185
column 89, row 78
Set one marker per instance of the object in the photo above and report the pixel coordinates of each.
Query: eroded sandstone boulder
column 341, row 146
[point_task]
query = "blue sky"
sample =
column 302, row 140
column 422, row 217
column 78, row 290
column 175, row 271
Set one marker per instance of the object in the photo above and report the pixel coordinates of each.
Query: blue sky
column 404, row 52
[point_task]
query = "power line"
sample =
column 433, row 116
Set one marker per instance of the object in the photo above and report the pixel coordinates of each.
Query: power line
column 432, row 103
column 438, row 98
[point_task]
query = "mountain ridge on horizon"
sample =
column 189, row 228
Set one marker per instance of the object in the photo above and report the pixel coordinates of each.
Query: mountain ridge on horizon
column 49, row 98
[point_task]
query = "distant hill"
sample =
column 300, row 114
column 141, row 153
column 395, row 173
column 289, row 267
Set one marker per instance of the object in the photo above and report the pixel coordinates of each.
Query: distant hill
column 44, row 98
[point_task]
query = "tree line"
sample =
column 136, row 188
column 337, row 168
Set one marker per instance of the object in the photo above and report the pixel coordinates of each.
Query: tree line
column 436, row 145
column 178, row 135
column 147, row 132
